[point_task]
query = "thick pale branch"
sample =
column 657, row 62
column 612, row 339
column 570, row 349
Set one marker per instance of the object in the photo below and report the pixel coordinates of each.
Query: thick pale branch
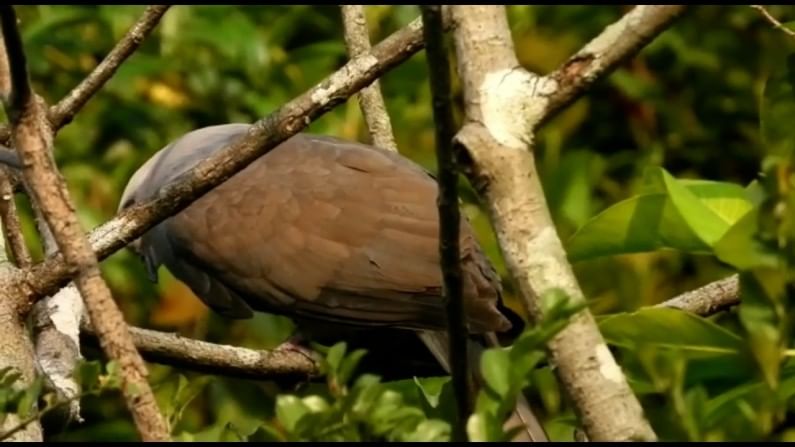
column 174, row 350
column 504, row 103
column 709, row 299
column 371, row 101
column 32, row 137
column 449, row 214
column 48, row 276
column 618, row 42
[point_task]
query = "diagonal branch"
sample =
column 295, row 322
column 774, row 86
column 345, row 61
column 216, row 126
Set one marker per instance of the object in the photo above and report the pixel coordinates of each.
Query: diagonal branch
column 449, row 214
column 599, row 57
column 62, row 113
column 46, row 277
column 773, row 21
column 357, row 39
column 709, row 299
column 33, row 139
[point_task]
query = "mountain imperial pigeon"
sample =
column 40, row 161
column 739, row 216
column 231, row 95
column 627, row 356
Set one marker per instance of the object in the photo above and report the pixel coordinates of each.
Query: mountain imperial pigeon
column 339, row 236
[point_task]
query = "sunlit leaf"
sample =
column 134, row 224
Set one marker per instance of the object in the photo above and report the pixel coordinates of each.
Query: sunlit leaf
column 671, row 328
column 496, row 367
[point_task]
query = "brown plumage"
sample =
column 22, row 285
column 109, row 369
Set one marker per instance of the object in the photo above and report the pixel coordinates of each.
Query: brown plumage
column 332, row 233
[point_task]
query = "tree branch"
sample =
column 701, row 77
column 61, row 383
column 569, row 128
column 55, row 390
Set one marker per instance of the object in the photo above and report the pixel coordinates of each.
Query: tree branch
column 33, row 139
column 357, row 39
column 46, row 277
column 449, row 214
column 57, row 341
column 56, row 329
column 174, row 350
column 11, row 224
column 16, row 351
column 618, row 42
column 504, row 106
column 62, row 113
column 709, row 299
column 773, row 21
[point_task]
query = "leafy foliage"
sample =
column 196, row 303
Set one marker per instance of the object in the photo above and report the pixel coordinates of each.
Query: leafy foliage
column 722, row 382
column 29, row 402
column 507, row 372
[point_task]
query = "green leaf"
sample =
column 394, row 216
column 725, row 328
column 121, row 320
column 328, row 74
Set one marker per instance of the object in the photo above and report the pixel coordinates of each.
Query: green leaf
column 349, row 364
column 113, row 375
column 496, row 367
column 166, row 395
column 289, row 410
column 642, row 223
column 315, row 404
column 729, row 201
column 367, row 390
column 335, row 356
column 686, row 215
column 27, row 404
column 701, row 220
column 761, row 289
column 476, row 428
column 670, row 328
column 432, row 388
column 429, row 431
column 723, row 405
column 186, row 392
column 741, row 248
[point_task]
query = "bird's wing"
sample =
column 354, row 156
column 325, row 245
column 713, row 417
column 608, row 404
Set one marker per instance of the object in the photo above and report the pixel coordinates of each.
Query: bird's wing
column 334, row 230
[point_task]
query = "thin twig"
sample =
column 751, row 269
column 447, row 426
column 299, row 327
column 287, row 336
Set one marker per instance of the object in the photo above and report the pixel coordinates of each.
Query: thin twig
column 371, row 101
column 62, row 113
column 69, row 401
column 709, row 299
column 33, row 140
column 65, row 110
column 45, row 278
column 773, row 21
column 11, row 224
column 449, row 214
column 174, row 350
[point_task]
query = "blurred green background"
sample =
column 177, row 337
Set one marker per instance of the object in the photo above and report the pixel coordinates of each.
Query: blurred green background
column 688, row 102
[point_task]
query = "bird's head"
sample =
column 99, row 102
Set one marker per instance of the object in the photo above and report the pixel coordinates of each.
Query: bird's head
column 133, row 194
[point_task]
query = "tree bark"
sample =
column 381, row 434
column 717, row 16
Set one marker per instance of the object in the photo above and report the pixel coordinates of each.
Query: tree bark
column 371, row 101
column 32, row 137
column 504, row 105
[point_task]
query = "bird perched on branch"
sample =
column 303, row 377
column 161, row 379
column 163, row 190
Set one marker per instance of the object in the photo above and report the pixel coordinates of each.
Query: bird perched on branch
column 339, row 236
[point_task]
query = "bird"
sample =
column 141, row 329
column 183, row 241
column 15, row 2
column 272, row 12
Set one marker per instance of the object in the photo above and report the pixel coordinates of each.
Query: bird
column 340, row 236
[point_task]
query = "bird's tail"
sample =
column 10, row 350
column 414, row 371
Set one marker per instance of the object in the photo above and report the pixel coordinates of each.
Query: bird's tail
column 522, row 416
